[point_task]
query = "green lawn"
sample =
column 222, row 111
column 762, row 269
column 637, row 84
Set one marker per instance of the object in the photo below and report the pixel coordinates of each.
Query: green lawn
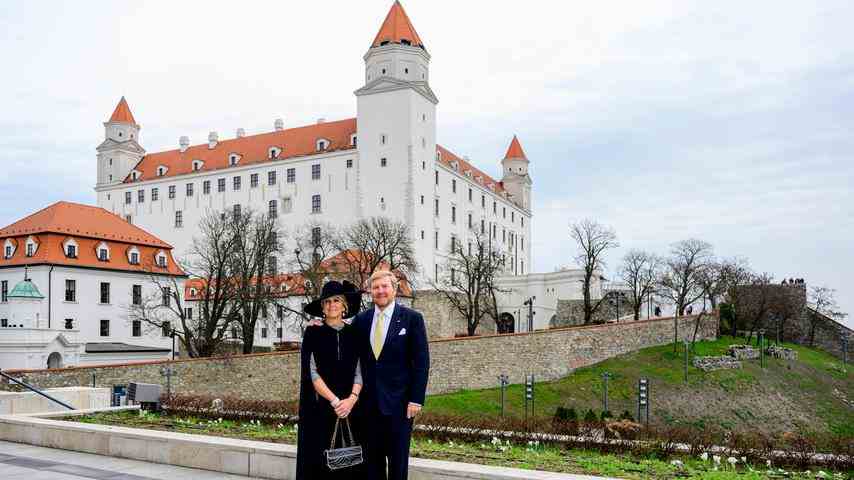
column 809, row 393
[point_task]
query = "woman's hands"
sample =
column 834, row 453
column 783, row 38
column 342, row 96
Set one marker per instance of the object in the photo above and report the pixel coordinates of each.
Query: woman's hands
column 345, row 406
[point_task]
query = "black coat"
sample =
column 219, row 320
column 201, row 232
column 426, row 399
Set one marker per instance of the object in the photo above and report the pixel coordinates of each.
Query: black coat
column 336, row 355
column 399, row 376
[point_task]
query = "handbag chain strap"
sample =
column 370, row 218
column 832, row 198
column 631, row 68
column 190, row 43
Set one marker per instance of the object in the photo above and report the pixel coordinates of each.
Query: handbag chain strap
column 343, row 438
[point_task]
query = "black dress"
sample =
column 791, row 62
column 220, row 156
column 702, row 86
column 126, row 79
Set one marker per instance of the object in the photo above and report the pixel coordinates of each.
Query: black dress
column 336, row 357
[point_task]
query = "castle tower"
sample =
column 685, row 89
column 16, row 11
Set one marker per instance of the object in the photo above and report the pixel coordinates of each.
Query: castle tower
column 516, row 180
column 396, row 118
column 120, row 151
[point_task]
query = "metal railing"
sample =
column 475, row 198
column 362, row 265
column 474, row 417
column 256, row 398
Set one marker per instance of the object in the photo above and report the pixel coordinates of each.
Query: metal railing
column 34, row 389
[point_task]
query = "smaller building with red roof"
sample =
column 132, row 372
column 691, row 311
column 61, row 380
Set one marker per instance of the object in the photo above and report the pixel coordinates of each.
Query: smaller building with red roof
column 69, row 274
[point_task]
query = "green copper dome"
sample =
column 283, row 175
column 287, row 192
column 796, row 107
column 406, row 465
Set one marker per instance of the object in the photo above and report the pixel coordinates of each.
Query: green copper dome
column 25, row 289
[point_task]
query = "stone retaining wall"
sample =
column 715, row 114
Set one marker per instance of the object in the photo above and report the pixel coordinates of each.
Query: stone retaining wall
column 456, row 364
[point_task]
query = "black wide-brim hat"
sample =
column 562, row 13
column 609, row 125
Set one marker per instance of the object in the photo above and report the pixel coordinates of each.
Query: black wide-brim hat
column 331, row 289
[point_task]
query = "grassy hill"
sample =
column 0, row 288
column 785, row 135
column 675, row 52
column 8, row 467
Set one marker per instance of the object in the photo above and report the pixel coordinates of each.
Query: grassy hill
column 813, row 393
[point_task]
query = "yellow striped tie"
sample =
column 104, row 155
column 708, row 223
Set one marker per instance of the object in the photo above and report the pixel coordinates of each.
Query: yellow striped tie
column 377, row 342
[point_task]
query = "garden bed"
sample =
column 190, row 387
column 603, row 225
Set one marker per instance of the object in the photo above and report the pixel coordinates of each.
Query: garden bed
column 530, row 454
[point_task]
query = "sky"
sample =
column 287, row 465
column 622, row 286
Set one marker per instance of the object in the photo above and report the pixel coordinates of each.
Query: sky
column 727, row 121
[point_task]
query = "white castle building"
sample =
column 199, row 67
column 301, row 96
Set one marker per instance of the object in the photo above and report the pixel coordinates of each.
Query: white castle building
column 383, row 162
column 68, row 275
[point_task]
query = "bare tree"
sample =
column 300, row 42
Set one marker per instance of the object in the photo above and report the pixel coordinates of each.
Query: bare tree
column 467, row 279
column 680, row 281
column 734, row 274
column 639, row 271
column 593, row 240
column 254, row 268
column 823, row 301
column 377, row 242
column 209, row 267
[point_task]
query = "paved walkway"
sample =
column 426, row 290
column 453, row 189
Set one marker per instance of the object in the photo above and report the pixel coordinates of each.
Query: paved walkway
column 27, row 462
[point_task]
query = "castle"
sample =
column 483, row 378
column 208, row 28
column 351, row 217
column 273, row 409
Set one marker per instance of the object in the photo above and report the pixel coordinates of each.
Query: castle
column 384, row 162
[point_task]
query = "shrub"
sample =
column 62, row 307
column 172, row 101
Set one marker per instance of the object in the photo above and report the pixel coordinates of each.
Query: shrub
column 627, row 416
column 590, row 416
column 606, row 415
column 566, row 414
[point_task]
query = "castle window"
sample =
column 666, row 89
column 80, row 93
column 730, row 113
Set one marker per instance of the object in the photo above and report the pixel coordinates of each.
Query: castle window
column 179, row 219
column 454, row 185
column 71, row 251
column 453, row 214
column 383, row 139
column 422, row 234
column 235, row 210
column 206, row 187
column 349, row 163
column 127, row 198
column 274, row 152
column 4, row 292
column 436, row 208
column 383, row 162
column 512, row 217
column 105, row 328
column 129, row 219
column 189, row 189
column 436, row 175
column 197, row 165
column 470, row 224
column 292, row 175
column 438, row 156
column 136, row 328
column 103, row 254
column 236, row 183
column 133, row 256
column 220, row 185
column 405, row 70
column 523, row 220
column 8, row 253
column 404, row 41
column 70, row 290
column 422, row 199
column 140, row 196
column 105, row 292
column 353, row 140
column 322, row 144
column 69, row 323
column 155, row 194
column 503, row 212
column 253, row 180
column 271, row 177
column 315, row 204
column 287, row 205
column 315, row 171
column 161, row 261
column 172, row 191
column 272, row 209
column 30, row 249
column 384, row 43
column 482, row 226
column 233, row 159
column 470, row 195
column 161, row 171
column 483, row 201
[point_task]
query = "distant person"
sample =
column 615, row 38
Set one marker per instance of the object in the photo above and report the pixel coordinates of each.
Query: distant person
column 690, row 309
column 657, row 311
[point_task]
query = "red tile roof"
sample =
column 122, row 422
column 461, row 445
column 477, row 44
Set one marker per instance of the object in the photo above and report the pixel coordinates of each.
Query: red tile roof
column 397, row 28
column 122, row 113
column 293, row 142
column 447, row 157
column 89, row 226
column 515, row 150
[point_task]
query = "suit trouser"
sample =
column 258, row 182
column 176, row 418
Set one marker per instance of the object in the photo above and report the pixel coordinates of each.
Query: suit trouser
column 388, row 445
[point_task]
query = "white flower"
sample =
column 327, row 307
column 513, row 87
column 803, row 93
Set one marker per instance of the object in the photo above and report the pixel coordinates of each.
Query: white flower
column 732, row 461
column 716, row 459
column 768, row 463
column 821, row 474
column 704, row 456
column 496, row 441
column 676, row 463
column 743, row 459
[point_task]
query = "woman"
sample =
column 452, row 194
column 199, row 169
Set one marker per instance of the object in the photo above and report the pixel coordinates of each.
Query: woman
column 330, row 383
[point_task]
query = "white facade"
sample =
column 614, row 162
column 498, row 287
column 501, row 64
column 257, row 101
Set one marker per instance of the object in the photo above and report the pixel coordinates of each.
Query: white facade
column 33, row 329
column 395, row 170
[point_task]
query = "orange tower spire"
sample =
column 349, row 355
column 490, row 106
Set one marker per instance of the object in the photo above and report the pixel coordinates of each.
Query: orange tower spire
column 397, row 28
column 122, row 113
column 515, row 150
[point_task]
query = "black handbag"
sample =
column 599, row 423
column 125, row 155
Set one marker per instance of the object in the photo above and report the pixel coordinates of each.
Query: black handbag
column 349, row 455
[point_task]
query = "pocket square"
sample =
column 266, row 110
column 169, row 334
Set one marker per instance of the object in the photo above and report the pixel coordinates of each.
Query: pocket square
column 402, row 331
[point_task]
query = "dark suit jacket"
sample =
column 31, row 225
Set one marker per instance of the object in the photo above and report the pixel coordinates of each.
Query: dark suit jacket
column 399, row 376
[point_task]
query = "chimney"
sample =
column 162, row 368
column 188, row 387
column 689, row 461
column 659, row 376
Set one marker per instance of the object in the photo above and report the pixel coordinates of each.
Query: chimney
column 279, row 124
column 184, row 143
column 213, row 138
column 321, row 120
column 241, row 133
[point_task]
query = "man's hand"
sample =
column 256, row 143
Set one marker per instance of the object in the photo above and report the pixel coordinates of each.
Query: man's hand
column 314, row 323
column 344, row 407
column 412, row 410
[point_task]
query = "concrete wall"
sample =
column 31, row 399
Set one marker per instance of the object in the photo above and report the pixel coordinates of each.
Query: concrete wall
column 464, row 363
column 16, row 403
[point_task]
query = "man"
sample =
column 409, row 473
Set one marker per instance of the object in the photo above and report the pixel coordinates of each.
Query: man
column 395, row 362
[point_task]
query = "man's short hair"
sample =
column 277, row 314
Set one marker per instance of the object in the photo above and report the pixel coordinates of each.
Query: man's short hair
column 383, row 274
